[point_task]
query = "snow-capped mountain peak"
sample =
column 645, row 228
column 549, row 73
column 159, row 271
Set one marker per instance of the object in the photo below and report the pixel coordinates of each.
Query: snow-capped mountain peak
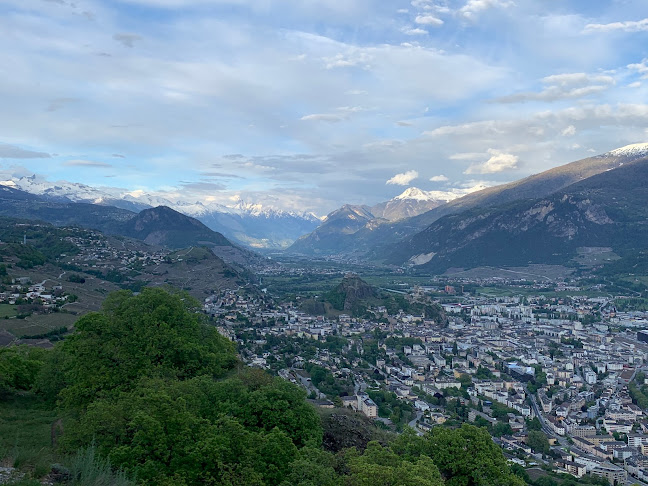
column 414, row 193
column 633, row 150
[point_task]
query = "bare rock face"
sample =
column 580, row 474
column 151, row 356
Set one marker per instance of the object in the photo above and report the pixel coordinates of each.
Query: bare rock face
column 343, row 430
column 607, row 210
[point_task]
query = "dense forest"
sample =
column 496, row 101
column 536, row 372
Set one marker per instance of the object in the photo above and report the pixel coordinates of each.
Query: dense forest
column 149, row 393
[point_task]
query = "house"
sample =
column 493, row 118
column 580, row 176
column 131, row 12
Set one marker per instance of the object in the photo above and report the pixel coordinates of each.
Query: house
column 614, row 474
column 367, row 406
column 573, row 468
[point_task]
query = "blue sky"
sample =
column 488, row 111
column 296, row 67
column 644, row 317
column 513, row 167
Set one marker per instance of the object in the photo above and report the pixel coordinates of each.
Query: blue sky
column 305, row 104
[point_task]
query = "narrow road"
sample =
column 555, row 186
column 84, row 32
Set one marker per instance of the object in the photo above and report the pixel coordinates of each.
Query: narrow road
column 413, row 422
column 306, row 383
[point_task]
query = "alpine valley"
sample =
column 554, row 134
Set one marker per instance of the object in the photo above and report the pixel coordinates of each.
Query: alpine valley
column 595, row 205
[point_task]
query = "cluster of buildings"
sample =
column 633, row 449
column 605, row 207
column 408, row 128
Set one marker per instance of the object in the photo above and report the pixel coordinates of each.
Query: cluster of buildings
column 22, row 291
column 566, row 361
column 98, row 252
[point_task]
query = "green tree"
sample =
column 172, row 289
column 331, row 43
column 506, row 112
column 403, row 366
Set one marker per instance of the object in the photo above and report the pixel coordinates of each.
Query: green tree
column 465, row 380
column 468, row 457
column 501, row 429
column 484, row 373
column 520, row 472
column 313, row 467
column 534, row 424
column 152, row 334
column 145, row 378
column 538, row 441
column 380, row 465
column 171, row 428
column 19, row 367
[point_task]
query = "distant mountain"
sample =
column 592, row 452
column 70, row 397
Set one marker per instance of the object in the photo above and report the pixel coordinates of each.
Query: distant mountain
column 247, row 223
column 254, row 225
column 606, row 210
column 410, row 203
column 328, row 238
column 164, row 226
column 375, row 240
column 64, row 191
column 335, row 232
column 15, row 203
column 159, row 226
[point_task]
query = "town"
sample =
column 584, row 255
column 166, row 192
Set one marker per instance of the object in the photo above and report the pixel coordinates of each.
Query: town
column 559, row 382
column 555, row 368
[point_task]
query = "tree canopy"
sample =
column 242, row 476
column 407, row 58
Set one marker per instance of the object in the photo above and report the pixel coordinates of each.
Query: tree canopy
column 161, row 395
column 154, row 334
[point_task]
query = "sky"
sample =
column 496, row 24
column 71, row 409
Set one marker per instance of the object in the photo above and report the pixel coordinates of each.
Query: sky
column 310, row 104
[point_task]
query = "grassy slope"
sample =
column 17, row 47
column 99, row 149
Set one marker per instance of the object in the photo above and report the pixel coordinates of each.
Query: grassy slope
column 25, row 426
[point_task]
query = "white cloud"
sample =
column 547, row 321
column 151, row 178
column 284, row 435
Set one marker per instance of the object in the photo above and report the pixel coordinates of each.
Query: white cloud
column 273, row 68
column 570, row 131
column 428, row 20
column 466, row 156
column 578, row 79
column 636, row 84
column 640, row 68
column 439, row 178
column 475, row 7
column 564, row 86
column 414, row 31
column 627, row 26
column 474, row 186
column 403, row 179
column 8, row 151
column 354, row 57
column 498, row 162
column 553, row 93
column 325, row 117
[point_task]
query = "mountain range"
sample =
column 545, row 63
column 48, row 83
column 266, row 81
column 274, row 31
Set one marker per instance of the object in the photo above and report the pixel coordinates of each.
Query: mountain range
column 594, row 204
column 603, row 212
column 161, row 226
column 249, row 224
column 542, row 218
column 342, row 230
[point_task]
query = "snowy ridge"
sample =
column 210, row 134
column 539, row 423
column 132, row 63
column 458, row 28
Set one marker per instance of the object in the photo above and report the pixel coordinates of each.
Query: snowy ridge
column 416, row 194
column 245, row 222
column 633, row 150
column 76, row 192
